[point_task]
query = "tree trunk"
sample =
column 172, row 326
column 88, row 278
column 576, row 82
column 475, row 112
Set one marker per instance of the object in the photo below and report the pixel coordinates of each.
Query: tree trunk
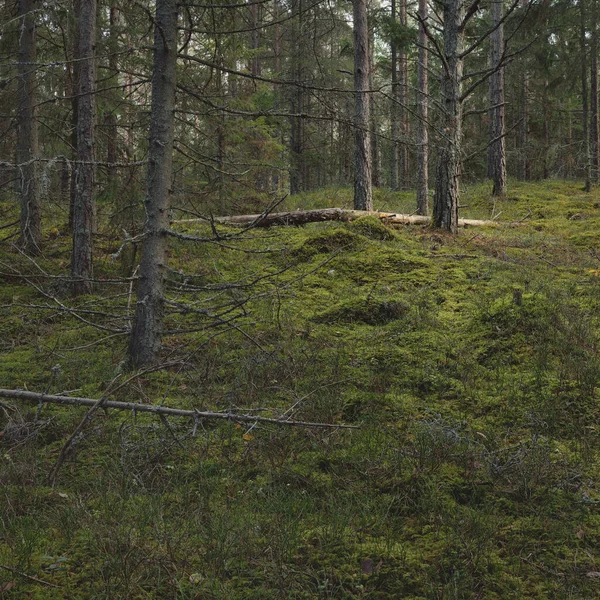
column 146, row 332
column 84, row 209
column 546, row 133
column 73, row 66
column 497, row 148
column 110, row 120
column 395, row 110
column 422, row 116
column 375, row 171
column 525, row 161
column 584, row 95
column 594, row 141
column 363, row 193
column 27, row 145
column 297, row 169
column 255, row 66
column 403, row 100
column 446, row 197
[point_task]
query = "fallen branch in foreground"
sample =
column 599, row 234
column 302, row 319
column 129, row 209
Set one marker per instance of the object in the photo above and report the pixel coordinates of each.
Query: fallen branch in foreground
column 163, row 410
column 301, row 217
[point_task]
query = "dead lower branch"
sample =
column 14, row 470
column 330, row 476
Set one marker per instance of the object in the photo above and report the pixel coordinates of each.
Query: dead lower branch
column 163, row 410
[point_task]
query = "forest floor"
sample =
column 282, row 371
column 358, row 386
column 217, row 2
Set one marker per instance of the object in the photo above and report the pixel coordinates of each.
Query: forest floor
column 471, row 364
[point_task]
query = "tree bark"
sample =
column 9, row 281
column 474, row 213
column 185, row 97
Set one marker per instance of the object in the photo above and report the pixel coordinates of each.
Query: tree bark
column 363, row 191
column 84, row 208
column 297, row 168
column 446, row 197
column 146, row 332
column 27, row 144
column 594, row 129
column 375, row 171
column 584, row 95
column 73, row 67
column 497, row 147
column 402, row 104
column 423, row 115
column 110, row 119
column 394, row 110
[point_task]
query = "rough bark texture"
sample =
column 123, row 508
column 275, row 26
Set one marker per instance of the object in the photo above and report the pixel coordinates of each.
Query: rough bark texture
column 375, row 171
column 446, row 197
column 27, row 145
column 403, row 99
column 255, row 65
column 297, row 167
column 584, row 95
column 73, row 66
column 497, row 147
column 110, row 120
column 302, row 217
column 84, row 209
column 146, row 333
column 422, row 116
column 594, row 129
column 395, row 110
column 363, row 191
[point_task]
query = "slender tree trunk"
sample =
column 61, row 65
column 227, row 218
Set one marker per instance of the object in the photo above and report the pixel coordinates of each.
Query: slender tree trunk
column 27, row 144
column 403, row 100
column 74, row 72
column 497, row 147
column 594, row 132
column 110, row 121
column 395, row 111
column 375, row 171
column 146, row 332
column 546, row 133
column 84, row 209
column 255, row 66
column 584, row 95
column 363, row 191
column 446, row 197
column 525, row 161
column 422, row 116
column 297, row 104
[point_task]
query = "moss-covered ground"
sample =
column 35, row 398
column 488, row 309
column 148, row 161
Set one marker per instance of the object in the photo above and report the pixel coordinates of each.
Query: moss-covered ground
column 470, row 363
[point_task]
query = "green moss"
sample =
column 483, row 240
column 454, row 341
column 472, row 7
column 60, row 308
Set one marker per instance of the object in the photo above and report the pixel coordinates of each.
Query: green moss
column 372, row 228
column 366, row 311
column 469, row 362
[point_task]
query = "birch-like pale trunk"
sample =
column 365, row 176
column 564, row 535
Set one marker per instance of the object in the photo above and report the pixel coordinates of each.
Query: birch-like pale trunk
column 27, row 143
column 363, row 191
column 447, row 191
column 146, row 332
column 84, row 209
column 423, row 115
column 497, row 147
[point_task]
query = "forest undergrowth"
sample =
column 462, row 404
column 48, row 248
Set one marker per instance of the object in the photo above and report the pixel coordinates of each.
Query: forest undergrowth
column 470, row 363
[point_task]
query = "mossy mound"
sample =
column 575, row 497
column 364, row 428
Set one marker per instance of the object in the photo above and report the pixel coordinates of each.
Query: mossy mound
column 370, row 312
column 331, row 240
column 372, row 228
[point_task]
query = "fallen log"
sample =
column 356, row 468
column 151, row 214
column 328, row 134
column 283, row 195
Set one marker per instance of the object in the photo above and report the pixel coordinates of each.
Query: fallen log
column 301, row 217
column 163, row 410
